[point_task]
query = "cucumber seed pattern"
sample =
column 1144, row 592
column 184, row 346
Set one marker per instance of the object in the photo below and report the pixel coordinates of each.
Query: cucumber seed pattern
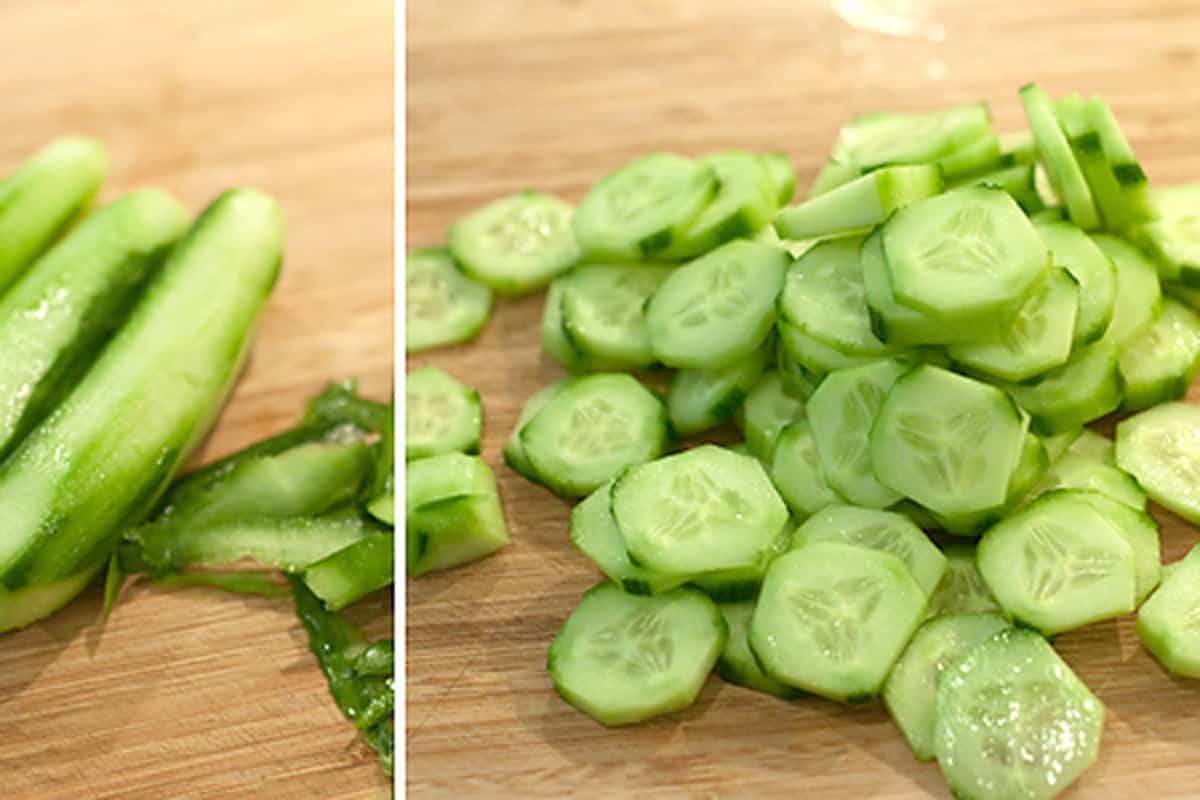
column 427, row 293
column 882, row 537
column 526, row 229
column 949, row 451
column 1029, row 326
column 859, row 407
column 962, row 591
column 696, row 501
column 838, row 617
column 965, row 244
column 722, row 294
column 637, row 645
column 1190, row 621
column 619, row 305
column 1179, row 451
column 636, row 193
column 596, row 429
column 1057, row 558
column 828, row 301
column 1029, row 725
column 429, row 415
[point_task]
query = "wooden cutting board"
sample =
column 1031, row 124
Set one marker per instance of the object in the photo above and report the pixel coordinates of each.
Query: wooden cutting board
column 193, row 693
column 555, row 94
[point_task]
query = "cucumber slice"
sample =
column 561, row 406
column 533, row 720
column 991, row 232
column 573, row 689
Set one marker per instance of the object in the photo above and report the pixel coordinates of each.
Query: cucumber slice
column 812, row 355
column 962, row 590
column 25, row 606
column 514, row 453
column 1121, row 160
column 1138, row 297
column 875, row 140
column 642, row 208
column 1074, row 471
column 947, row 441
column 718, row 308
column 1160, row 363
column 1141, row 532
column 700, row 510
column 1160, row 447
column 782, row 177
column 736, row 664
column 1033, row 464
column 1094, row 446
column 833, row 618
column 793, row 247
column 744, row 202
column 698, row 400
column 1168, row 624
column 591, row 430
column 797, row 380
column 1086, row 388
column 1018, row 147
column 1096, row 273
column 797, row 473
column 981, row 155
column 1014, row 721
column 1059, row 564
column 1088, row 148
column 841, row 412
column 742, row 583
column 885, row 531
column 1017, row 180
column 1039, row 339
column 967, row 253
column 1061, row 167
column 623, row 658
column 452, row 512
column 767, row 410
column 602, row 315
column 910, row 693
column 1173, row 236
column 864, row 202
column 1058, row 444
column 442, row 306
column 555, row 342
column 594, row 533
column 441, row 415
column 833, row 173
column 517, row 244
column 353, row 572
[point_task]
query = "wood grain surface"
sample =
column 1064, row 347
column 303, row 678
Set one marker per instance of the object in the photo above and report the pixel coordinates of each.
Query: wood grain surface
column 553, row 94
column 190, row 693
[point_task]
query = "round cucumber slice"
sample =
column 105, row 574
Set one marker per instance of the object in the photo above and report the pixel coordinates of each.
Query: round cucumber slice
column 1160, row 447
column 441, row 415
column 1141, row 532
column 1138, row 294
column 737, row 664
column 698, row 400
column 766, row 411
column 1073, row 471
column 962, row 590
column 813, row 355
column 744, row 202
column 1168, row 624
column 442, row 306
column 1160, row 363
column 602, row 313
column 514, row 453
column 797, row 473
column 1097, row 276
column 1086, row 388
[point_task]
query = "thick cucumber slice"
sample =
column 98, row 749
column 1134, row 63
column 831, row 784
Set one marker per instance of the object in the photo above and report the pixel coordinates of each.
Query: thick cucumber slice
column 875, row 140
column 1014, row 721
column 1073, row 250
column 594, row 533
column 1086, row 388
column 623, row 658
column 910, row 693
column 514, row 453
column 744, row 202
column 1141, row 532
column 642, row 208
column 947, row 441
column 591, row 430
column 1074, row 471
column 962, row 590
column 452, row 512
column 700, row 510
column 967, row 253
column 782, row 177
column 516, row 244
column 1160, row 447
column 1160, row 363
column 768, row 409
column 737, row 664
column 602, row 315
column 1061, row 167
column 1033, row 464
column 1017, row 180
column 841, row 412
column 833, row 618
column 814, row 356
column 441, row 415
column 1039, row 339
column 1121, row 160
column 441, row 305
column 862, row 203
column 797, row 473
column 1169, row 622
column 833, row 173
column 1059, row 564
column 717, row 309
column 698, row 400
column 878, row 530
column 1138, row 298
column 28, row 605
column 823, row 296
column 1094, row 446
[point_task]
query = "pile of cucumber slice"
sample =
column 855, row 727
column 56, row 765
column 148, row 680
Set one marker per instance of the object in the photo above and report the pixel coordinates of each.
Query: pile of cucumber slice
column 911, row 354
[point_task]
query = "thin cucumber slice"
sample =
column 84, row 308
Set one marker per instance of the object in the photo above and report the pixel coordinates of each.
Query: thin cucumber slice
column 798, row 380
column 556, row 343
column 1074, row 471
column 967, row 253
column 1058, row 444
column 1160, row 363
column 1088, row 148
column 1141, row 532
column 1168, row 624
column 1059, row 564
column 1039, row 339
column 878, row 530
column 623, row 658
column 981, row 155
column 833, row 173
column 1138, row 298
column 862, row 203
column 797, row 473
column 591, row 430
column 841, row 412
column 700, row 510
column 1086, row 388
column 1018, row 147
column 516, row 244
column 26, row 606
column 782, row 177
column 698, row 400
column 1033, row 464
column 742, row 583
column 718, row 308
column 737, row 664
column 594, row 533
column 1121, row 160
column 1014, row 721
column 441, row 415
column 642, row 208
column 514, row 453
column 875, row 140
column 833, row 618
column 1160, row 447
column 602, row 314
column 744, row 202
column 1094, row 446
column 767, row 410
column 1017, row 180
column 1097, row 275
column 962, row 590
column 947, row 441
column 1061, row 167
column 910, row 693
column 814, row 356
column 452, row 512
column 442, row 306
